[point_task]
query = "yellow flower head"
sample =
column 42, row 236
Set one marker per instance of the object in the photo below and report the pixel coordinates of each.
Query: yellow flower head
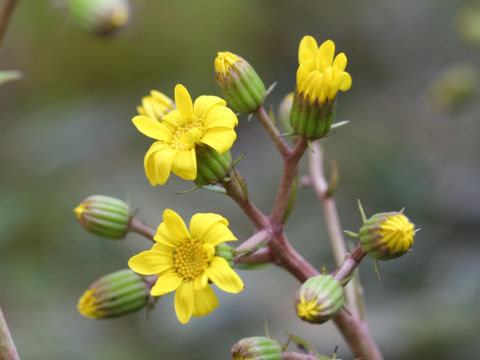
column 185, row 261
column 319, row 75
column 387, row 235
column 156, row 105
column 397, row 233
column 206, row 122
column 224, row 61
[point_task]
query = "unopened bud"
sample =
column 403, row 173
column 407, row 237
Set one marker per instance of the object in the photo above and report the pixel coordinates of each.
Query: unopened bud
column 116, row 294
column 99, row 17
column 239, row 83
column 319, row 299
column 387, row 235
column 257, row 348
column 211, row 166
column 225, row 251
column 104, row 216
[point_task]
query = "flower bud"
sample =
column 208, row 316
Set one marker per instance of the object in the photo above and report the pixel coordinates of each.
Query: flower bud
column 156, row 105
column 116, row 294
column 104, row 216
column 386, row 235
column 99, row 17
column 257, row 348
column 319, row 299
column 319, row 77
column 211, row 166
column 225, row 251
column 239, row 83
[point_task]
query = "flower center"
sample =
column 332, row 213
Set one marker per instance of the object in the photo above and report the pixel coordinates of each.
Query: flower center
column 190, row 260
column 308, row 309
column 186, row 136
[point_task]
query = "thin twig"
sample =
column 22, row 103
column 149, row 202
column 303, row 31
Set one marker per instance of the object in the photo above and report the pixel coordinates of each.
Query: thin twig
column 280, row 143
column 263, row 255
column 350, row 264
column 143, row 229
column 290, row 355
column 5, row 15
column 249, row 245
column 332, row 220
column 7, row 346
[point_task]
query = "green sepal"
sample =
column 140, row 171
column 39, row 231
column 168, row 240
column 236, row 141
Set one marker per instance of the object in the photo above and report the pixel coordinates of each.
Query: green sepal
column 212, row 167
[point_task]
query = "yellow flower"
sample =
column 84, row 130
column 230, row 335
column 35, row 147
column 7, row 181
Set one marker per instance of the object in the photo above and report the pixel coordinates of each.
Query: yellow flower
column 319, row 75
column 387, row 235
column 156, row 105
column 185, row 261
column 206, row 122
column 87, row 305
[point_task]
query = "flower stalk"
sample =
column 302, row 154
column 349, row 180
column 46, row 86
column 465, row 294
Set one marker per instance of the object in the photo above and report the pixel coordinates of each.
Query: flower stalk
column 8, row 351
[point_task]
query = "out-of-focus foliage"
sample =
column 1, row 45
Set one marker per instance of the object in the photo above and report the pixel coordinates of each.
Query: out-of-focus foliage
column 66, row 133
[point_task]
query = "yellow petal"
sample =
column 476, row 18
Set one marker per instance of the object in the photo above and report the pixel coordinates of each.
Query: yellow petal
column 166, row 283
column 325, row 55
column 152, row 128
column 307, row 49
column 175, row 225
column 347, row 81
column 184, row 301
column 219, row 138
column 209, row 250
column 211, row 229
column 173, row 120
column 204, row 301
column 200, row 223
column 185, row 164
column 203, row 104
column 200, row 281
column 220, row 116
column 223, row 276
column 164, row 237
column 149, row 262
column 340, row 61
column 158, row 162
column 184, row 102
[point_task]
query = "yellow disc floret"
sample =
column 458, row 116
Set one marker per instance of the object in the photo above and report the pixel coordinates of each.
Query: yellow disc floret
column 190, row 260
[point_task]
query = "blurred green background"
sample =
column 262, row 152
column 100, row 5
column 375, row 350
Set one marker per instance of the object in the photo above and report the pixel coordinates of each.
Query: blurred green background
column 66, row 133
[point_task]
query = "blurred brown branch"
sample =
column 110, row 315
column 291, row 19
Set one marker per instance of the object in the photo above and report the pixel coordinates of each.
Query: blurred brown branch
column 5, row 14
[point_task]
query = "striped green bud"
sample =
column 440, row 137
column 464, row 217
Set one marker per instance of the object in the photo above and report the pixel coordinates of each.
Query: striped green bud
column 104, row 216
column 116, row 294
column 257, row 348
column 319, row 299
column 239, row 83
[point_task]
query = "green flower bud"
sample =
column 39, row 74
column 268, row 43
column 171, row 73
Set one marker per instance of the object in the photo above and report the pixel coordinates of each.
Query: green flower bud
column 99, row 17
column 225, row 251
column 211, row 166
column 116, row 294
column 104, row 216
column 257, row 348
column 387, row 235
column 319, row 299
column 239, row 83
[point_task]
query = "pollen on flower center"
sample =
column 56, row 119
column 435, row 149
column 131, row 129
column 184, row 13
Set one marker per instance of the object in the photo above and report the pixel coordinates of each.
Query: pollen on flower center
column 190, row 259
column 187, row 135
